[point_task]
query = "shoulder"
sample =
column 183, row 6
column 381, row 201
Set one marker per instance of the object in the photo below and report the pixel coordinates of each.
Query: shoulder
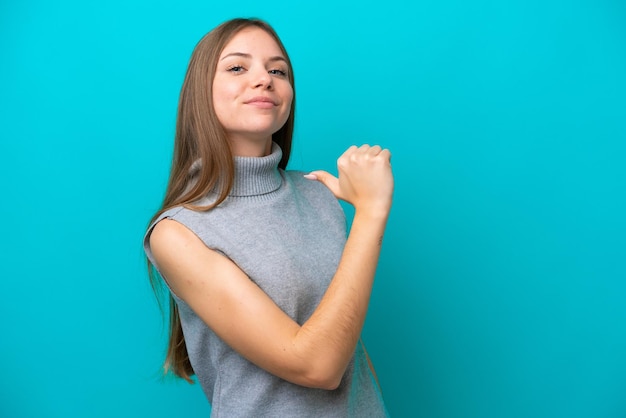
column 317, row 197
column 299, row 182
column 179, row 218
column 170, row 237
column 171, row 232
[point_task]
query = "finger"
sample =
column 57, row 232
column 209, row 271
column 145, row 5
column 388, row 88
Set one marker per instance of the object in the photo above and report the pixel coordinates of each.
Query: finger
column 375, row 150
column 347, row 154
column 378, row 150
column 385, row 153
column 327, row 179
column 350, row 150
column 344, row 160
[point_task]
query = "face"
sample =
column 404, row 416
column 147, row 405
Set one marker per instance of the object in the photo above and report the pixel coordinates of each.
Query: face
column 251, row 90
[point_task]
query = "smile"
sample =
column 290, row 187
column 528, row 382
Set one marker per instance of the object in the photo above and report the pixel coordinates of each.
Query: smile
column 261, row 102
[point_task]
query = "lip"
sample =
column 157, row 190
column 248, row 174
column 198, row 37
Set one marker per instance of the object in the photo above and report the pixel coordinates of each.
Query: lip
column 261, row 101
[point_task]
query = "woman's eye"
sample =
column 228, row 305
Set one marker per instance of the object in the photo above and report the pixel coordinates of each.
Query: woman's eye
column 278, row 72
column 235, row 69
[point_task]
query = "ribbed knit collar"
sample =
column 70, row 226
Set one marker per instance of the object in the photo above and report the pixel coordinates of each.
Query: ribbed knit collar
column 257, row 175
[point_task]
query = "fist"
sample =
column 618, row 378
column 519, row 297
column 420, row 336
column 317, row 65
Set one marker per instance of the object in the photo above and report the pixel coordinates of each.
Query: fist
column 365, row 178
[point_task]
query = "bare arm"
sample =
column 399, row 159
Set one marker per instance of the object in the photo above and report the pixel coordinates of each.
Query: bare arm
column 317, row 353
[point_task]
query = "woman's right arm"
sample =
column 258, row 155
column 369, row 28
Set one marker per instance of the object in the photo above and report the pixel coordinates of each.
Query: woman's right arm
column 316, row 353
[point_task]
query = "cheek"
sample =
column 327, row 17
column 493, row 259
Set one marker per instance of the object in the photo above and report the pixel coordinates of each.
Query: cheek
column 222, row 95
column 287, row 96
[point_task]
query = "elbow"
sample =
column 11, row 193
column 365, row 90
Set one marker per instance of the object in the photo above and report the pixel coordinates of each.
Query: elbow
column 330, row 383
column 319, row 368
column 326, row 379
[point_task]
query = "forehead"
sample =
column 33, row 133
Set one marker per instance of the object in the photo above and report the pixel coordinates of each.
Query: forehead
column 253, row 41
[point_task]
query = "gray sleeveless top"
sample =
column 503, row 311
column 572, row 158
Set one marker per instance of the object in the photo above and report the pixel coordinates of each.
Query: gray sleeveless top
column 287, row 234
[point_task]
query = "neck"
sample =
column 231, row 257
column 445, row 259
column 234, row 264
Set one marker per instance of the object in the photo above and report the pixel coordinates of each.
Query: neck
column 249, row 147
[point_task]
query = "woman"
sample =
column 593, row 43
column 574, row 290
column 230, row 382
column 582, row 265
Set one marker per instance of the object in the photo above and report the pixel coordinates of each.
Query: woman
column 267, row 296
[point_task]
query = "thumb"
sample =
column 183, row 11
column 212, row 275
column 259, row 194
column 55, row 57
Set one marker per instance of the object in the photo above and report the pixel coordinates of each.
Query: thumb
column 327, row 180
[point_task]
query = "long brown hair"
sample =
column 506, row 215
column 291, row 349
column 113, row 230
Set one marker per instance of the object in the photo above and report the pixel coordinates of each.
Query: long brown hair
column 200, row 136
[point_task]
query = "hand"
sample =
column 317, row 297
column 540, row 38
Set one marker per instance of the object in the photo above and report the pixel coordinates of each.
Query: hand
column 365, row 179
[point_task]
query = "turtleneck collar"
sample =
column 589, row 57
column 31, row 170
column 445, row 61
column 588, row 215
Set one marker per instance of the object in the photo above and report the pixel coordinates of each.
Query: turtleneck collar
column 257, row 175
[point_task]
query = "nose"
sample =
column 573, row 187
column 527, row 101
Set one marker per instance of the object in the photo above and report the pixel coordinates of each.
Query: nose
column 262, row 79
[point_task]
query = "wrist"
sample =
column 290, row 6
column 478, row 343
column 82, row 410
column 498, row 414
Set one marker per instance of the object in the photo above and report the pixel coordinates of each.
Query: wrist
column 371, row 214
column 378, row 211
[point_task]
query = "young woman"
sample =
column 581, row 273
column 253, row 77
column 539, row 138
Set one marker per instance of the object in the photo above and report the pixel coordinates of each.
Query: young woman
column 267, row 296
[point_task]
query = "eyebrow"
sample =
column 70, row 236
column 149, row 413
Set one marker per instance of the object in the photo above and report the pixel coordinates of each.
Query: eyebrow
column 244, row 55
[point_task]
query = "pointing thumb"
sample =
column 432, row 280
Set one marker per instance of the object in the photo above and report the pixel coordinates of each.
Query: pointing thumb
column 327, row 180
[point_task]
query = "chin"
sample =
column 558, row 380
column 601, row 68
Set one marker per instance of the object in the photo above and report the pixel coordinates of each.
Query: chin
column 262, row 131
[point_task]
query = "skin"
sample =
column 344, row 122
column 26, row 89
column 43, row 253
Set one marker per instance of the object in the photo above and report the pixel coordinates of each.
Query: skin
column 316, row 353
column 251, row 69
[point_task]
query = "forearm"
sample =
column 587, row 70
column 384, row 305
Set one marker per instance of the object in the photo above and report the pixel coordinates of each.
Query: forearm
column 329, row 337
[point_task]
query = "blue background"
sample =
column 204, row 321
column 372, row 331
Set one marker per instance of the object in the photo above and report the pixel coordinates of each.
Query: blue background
column 501, row 289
